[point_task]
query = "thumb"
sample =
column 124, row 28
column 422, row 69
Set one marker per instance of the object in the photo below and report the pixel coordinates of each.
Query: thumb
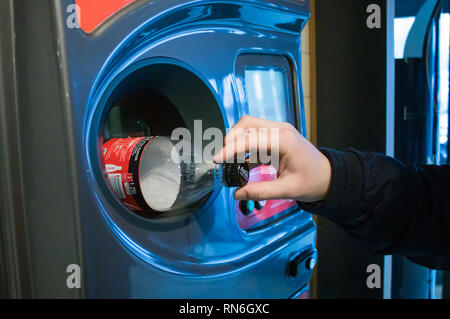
column 262, row 191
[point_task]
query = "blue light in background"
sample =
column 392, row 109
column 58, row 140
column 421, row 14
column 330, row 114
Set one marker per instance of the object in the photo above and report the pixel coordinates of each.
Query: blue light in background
column 402, row 26
column 443, row 99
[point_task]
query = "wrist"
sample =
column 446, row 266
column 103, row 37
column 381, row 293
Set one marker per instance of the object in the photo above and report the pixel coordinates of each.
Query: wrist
column 325, row 178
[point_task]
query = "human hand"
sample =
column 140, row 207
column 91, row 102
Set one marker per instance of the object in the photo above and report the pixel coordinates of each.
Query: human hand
column 304, row 173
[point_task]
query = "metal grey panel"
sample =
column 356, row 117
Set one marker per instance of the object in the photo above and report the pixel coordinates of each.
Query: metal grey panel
column 36, row 131
column 14, row 262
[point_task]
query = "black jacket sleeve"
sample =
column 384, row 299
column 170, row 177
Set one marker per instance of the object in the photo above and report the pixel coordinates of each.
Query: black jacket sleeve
column 390, row 207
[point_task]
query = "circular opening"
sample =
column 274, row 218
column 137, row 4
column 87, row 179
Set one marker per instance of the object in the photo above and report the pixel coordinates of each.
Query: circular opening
column 153, row 100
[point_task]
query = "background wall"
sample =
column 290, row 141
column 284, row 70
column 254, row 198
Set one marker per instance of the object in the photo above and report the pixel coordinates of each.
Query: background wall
column 351, row 112
column 306, row 75
column 308, row 81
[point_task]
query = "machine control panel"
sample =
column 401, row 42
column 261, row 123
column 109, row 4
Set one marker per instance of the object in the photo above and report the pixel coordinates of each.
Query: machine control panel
column 252, row 215
column 301, row 262
column 248, row 206
column 266, row 85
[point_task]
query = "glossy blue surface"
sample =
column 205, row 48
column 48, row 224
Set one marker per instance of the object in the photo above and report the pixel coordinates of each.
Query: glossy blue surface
column 205, row 255
column 415, row 43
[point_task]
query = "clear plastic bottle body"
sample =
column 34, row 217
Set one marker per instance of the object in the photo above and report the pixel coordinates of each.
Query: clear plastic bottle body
column 170, row 179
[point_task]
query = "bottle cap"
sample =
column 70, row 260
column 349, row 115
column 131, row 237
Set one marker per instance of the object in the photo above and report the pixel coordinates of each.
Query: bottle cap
column 236, row 175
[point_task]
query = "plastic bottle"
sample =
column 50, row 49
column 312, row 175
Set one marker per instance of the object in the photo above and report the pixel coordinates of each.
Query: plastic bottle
column 167, row 177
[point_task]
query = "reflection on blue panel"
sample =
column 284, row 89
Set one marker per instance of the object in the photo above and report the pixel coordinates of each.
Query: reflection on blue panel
column 443, row 100
column 402, row 26
column 267, row 93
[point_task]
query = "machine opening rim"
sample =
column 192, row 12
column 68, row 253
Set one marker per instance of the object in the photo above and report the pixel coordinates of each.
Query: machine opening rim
column 95, row 136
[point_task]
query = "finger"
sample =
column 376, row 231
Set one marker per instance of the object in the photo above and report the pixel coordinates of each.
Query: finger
column 238, row 146
column 253, row 143
column 275, row 189
column 239, row 128
column 233, row 134
column 247, row 123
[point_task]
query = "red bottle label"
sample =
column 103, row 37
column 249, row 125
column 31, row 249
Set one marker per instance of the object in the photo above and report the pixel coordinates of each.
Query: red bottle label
column 122, row 157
